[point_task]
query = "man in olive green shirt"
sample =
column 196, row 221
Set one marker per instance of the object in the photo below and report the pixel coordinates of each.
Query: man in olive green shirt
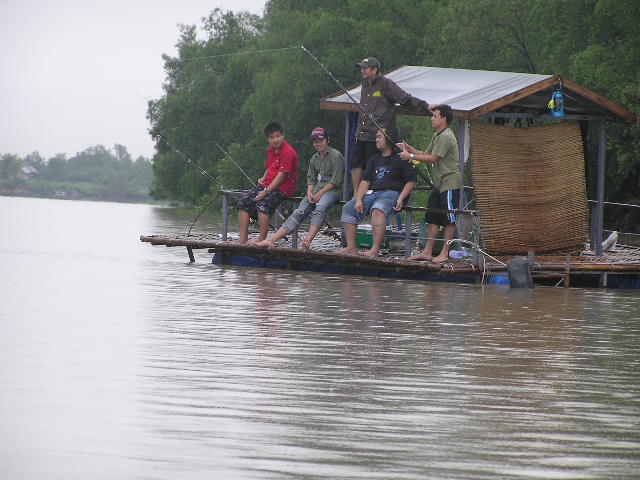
column 442, row 154
column 324, row 179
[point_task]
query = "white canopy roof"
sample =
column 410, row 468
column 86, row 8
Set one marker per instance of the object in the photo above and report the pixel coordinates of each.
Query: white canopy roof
column 472, row 93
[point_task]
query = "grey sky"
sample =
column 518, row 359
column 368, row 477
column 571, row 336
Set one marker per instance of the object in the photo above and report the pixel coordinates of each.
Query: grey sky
column 78, row 73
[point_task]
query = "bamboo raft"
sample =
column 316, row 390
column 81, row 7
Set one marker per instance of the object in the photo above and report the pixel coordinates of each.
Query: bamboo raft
column 618, row 268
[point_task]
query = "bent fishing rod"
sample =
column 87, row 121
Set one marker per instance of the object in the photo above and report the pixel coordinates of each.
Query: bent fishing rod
column 387, row 133
column 339, row 83
column 331, row 229
column 204, row 173
column 242, row 170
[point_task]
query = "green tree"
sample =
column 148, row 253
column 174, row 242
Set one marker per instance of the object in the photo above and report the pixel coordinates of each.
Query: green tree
column 218, row 90
column 35, row 160
column 10, row 166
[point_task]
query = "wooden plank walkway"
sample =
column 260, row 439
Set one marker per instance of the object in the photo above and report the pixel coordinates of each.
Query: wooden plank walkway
column 622, row 260
column 323, row 251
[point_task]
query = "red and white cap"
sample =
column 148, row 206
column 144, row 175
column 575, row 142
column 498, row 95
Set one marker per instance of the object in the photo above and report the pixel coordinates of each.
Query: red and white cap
column 319, row 132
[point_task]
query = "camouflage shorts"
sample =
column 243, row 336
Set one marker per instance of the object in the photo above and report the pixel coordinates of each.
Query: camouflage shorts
column 267, row 205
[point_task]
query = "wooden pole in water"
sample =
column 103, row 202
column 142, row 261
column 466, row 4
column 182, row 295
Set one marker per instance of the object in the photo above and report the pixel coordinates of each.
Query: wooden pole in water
column 567, row 269
column 407, row 234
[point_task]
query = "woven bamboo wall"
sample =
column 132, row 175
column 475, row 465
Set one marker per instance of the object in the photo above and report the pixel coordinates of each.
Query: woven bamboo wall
column 530, row 187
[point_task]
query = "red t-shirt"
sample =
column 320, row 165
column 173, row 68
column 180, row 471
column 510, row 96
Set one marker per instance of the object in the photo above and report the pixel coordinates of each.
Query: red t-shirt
column 286, row 160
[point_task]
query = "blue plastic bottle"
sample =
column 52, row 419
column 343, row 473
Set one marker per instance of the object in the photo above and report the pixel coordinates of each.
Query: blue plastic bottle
column 558, row 104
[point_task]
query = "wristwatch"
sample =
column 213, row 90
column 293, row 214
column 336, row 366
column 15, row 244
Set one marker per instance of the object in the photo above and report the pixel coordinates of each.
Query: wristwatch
column 411, row 156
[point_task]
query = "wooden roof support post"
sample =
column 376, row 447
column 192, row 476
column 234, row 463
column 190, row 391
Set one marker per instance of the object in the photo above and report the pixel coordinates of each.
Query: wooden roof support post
column 225, row 216
column 463, row 153
column 602, row 145
column 345, row 182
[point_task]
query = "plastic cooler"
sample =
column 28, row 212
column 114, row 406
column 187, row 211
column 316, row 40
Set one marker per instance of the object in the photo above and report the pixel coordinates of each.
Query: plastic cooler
column 364, row 236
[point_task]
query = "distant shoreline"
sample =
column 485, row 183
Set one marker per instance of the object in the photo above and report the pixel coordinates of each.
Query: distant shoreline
column 70, row 192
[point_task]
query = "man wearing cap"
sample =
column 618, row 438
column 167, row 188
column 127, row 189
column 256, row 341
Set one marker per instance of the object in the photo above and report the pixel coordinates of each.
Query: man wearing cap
column 324, row 178
column 378, row 97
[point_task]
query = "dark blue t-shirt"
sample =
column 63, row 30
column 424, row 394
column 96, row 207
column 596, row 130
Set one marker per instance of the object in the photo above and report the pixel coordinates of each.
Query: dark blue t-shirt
column 389, row 173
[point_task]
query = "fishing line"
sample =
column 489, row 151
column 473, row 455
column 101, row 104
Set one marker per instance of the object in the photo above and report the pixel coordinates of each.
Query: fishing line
column 212, row 179
column 476, row 247
column 194, row 164
column 226, row 154
column 236, row 54
column 200, row 213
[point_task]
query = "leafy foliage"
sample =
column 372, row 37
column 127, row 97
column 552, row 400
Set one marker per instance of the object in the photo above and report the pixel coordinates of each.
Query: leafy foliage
column 219, row 89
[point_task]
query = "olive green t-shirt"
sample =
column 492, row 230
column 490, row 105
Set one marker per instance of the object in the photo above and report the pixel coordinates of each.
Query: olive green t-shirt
column 329, row 169
column 446, row 171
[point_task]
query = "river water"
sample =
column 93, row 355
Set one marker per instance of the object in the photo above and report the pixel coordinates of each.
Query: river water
column 119, row 360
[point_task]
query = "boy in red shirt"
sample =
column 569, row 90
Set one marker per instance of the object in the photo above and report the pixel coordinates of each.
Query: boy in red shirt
column 278, row 182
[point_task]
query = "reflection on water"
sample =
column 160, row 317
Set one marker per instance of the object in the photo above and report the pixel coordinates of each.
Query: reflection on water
column 121, row 360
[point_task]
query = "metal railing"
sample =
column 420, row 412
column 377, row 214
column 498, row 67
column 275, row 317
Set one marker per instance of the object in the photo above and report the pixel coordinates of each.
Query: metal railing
column 629, row 237
column 408, row 209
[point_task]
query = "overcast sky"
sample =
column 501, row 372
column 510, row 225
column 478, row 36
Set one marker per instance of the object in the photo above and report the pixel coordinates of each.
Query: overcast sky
column 78, row 73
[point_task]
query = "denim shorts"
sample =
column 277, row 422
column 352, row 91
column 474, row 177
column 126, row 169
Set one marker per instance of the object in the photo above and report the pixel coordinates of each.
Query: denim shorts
column 267, row 205
column 306, row 208
column 383, row 200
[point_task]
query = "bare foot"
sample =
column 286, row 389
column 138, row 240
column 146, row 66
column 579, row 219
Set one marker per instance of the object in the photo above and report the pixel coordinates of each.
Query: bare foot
column 239, row 242
column 442, row 258
column 306, row 244
column 421, row 256
column 373, row 252
column 347, row 251
column 264, row 243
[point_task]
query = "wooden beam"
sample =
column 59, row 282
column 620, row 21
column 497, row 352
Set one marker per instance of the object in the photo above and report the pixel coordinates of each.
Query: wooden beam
column 348, row 106
column 602, row 155
column 352, row 107
column 512, row 97
column 613, row 107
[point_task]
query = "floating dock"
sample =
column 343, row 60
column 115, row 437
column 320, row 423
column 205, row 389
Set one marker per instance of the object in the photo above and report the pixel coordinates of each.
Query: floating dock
column 619, row 268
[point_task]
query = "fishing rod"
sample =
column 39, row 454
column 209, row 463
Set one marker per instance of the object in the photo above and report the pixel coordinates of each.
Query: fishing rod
column 243, row 172
column 250, row 180
column 330, row 228
column 387, row 133
column 202, row 172
column 234, row 162
column 342, row 87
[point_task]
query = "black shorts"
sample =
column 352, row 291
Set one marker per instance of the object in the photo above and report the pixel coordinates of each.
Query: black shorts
column 362, row 152
column 447, row 200
column 267, row 205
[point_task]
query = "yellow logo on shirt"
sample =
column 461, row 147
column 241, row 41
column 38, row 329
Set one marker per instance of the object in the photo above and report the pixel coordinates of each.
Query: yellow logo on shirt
column 377, row 93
